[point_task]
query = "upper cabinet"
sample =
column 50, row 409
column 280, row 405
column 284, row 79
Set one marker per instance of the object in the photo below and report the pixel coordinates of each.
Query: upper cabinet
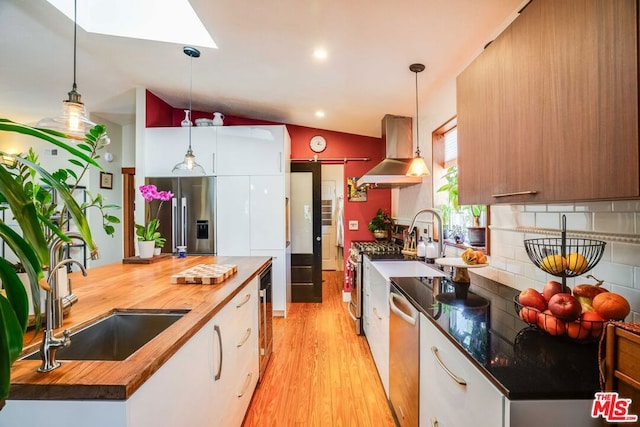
column 549, row 111
column 252, row 150
column 220, row 150
column 166, row 147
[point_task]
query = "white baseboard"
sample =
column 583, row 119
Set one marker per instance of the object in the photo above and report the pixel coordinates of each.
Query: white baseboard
column 346, row 296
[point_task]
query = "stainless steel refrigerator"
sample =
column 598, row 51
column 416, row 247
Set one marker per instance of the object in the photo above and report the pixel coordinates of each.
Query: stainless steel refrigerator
column 188, row 219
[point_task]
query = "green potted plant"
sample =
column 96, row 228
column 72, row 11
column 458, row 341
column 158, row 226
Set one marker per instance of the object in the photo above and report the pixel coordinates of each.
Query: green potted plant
column 445, row 214
column 380, row 225
column 31, row 246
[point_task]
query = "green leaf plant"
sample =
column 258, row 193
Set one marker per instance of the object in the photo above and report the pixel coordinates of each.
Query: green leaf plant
column 26, row 188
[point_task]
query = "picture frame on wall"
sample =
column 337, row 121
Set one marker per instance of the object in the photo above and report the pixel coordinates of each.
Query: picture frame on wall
column 106, row 180
column 356, row 194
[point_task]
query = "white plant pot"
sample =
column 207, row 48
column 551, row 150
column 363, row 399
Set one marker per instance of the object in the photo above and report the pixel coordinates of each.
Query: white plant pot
column 157, row 251
column 145, row 248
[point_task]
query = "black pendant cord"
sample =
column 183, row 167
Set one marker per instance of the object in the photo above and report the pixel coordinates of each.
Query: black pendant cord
column 417, row 68
column 75, row 31
column 417, row 120
column 190, row 96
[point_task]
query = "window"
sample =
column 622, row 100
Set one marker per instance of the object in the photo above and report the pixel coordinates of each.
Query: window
column 460, row 223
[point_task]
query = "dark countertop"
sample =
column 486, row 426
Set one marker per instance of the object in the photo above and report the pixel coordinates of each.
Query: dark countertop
column 531, row 365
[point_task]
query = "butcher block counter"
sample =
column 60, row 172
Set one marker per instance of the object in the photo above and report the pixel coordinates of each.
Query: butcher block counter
column 130, row 286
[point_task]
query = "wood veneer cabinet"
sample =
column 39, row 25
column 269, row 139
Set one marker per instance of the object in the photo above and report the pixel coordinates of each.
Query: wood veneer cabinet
column 549, row 110
column 622, row 366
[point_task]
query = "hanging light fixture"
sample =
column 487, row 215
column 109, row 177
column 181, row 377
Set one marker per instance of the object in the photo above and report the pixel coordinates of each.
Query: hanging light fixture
column 189, row 165
column 74, row 120
column 418, row 167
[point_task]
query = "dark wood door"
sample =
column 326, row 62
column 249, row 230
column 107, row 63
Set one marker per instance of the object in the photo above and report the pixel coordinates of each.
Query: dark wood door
column 306, row 233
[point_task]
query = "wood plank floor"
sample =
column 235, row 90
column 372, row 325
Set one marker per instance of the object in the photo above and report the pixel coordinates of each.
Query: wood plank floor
column 321, row 373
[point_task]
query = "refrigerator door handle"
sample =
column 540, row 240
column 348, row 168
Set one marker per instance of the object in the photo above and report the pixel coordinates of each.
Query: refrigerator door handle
column 184, row 222
column 174, row 226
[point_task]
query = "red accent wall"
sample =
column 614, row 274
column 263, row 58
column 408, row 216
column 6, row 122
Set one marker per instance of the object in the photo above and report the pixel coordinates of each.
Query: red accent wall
column 339, row 145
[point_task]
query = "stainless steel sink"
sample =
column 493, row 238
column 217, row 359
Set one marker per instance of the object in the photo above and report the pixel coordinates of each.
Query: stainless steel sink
column 116, row 336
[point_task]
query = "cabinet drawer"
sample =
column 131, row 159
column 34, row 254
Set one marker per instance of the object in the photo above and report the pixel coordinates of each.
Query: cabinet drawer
column 453, row 391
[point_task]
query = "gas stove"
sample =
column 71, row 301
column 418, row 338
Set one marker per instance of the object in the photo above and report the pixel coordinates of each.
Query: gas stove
column 377, row 250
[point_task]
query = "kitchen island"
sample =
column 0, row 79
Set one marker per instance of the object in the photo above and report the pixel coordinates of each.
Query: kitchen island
column 135, row 287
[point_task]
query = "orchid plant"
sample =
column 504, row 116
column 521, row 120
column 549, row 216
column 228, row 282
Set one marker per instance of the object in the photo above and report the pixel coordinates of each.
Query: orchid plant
column 149, row 231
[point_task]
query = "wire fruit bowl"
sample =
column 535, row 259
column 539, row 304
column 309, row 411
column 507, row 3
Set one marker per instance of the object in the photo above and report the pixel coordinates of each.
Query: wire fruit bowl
column 581, row 330
column 564, row 257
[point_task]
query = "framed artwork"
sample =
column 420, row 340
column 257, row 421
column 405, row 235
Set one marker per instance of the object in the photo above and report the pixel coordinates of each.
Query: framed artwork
column 106, row 180
column 356, row 194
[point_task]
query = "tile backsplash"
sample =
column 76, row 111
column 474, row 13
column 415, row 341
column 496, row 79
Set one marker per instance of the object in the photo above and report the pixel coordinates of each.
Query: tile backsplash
column 615, row 222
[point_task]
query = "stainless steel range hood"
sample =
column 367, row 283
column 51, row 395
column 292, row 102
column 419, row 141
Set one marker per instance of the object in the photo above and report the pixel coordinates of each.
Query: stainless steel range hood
column 397, row 134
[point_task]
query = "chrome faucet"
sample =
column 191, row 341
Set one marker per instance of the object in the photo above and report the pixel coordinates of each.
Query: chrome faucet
column 440, row 232
column 59, row 304
column 50, row 343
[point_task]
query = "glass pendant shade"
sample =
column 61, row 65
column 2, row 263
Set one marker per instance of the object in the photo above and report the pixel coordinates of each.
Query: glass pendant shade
column 418, row 167
column 73, row 120
column 188, row 165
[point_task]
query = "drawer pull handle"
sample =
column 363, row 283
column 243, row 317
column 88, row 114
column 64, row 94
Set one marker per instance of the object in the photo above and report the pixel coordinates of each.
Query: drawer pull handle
column 247, row 381
column 434, row 422
column 216, row 329
column 246, row 299
column 515, row 193
column 456, row 378
column 245, row 338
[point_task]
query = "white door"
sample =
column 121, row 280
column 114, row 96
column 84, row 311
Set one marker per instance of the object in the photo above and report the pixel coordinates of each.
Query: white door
column 233, row 223
column 329, row 248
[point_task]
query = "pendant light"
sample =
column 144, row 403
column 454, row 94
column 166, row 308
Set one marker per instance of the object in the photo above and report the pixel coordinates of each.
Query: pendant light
column 73, row 120
column 418, row 167
column 189, row 165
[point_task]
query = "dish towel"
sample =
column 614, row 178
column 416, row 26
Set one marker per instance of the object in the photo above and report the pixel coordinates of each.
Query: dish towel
column 339, row 223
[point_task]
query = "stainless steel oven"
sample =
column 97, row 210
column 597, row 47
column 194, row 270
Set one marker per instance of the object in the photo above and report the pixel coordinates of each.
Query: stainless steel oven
column 375, row 251
column 354, row 279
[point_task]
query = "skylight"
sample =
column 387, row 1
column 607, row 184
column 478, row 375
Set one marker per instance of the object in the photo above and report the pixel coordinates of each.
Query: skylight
column 174, row 21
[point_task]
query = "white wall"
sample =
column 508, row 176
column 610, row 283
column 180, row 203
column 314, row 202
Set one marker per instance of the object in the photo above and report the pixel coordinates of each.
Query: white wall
column 110, row 247
column 615, row 222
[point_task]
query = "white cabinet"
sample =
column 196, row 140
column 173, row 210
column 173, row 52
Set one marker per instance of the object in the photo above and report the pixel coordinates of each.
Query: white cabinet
column 209, row 381
column 267, row 212
column 236, row 360
column 233, row 229
column 166, row 147
column 252, row 150
column 376, row 312
column 444, row 401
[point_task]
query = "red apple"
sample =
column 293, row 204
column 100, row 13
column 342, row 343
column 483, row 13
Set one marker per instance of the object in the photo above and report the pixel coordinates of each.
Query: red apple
column 551, row 288
column 550, row 323
column 529, row 314
column 532, row 298
column 565, row 306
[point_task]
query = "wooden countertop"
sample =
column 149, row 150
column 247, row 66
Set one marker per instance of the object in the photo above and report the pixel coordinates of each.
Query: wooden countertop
column 128, row 286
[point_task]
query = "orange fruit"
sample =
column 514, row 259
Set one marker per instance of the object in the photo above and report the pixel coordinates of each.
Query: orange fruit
column 611, row 306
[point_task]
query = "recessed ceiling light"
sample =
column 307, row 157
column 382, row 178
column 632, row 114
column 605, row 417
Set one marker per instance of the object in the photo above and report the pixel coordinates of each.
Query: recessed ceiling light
column 320, row 53
column 173, row 22
column 320, row 114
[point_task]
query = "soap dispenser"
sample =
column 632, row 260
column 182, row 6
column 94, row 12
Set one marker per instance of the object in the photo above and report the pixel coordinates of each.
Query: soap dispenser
column 422, row 249
column 431, row 251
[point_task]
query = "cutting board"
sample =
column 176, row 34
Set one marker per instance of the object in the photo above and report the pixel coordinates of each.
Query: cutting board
column 205, row 274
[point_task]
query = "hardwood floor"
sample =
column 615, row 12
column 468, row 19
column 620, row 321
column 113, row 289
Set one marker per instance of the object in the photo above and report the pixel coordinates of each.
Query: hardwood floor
column 321, row 373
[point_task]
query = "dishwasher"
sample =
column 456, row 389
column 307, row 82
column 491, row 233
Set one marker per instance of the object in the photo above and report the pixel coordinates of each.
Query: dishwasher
column 404, row 358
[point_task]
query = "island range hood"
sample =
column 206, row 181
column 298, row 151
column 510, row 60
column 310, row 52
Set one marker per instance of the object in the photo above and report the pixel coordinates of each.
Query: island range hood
column 397, row 134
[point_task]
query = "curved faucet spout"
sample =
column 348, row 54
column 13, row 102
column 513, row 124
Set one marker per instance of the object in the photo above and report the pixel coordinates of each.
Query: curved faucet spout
column 436, row 214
